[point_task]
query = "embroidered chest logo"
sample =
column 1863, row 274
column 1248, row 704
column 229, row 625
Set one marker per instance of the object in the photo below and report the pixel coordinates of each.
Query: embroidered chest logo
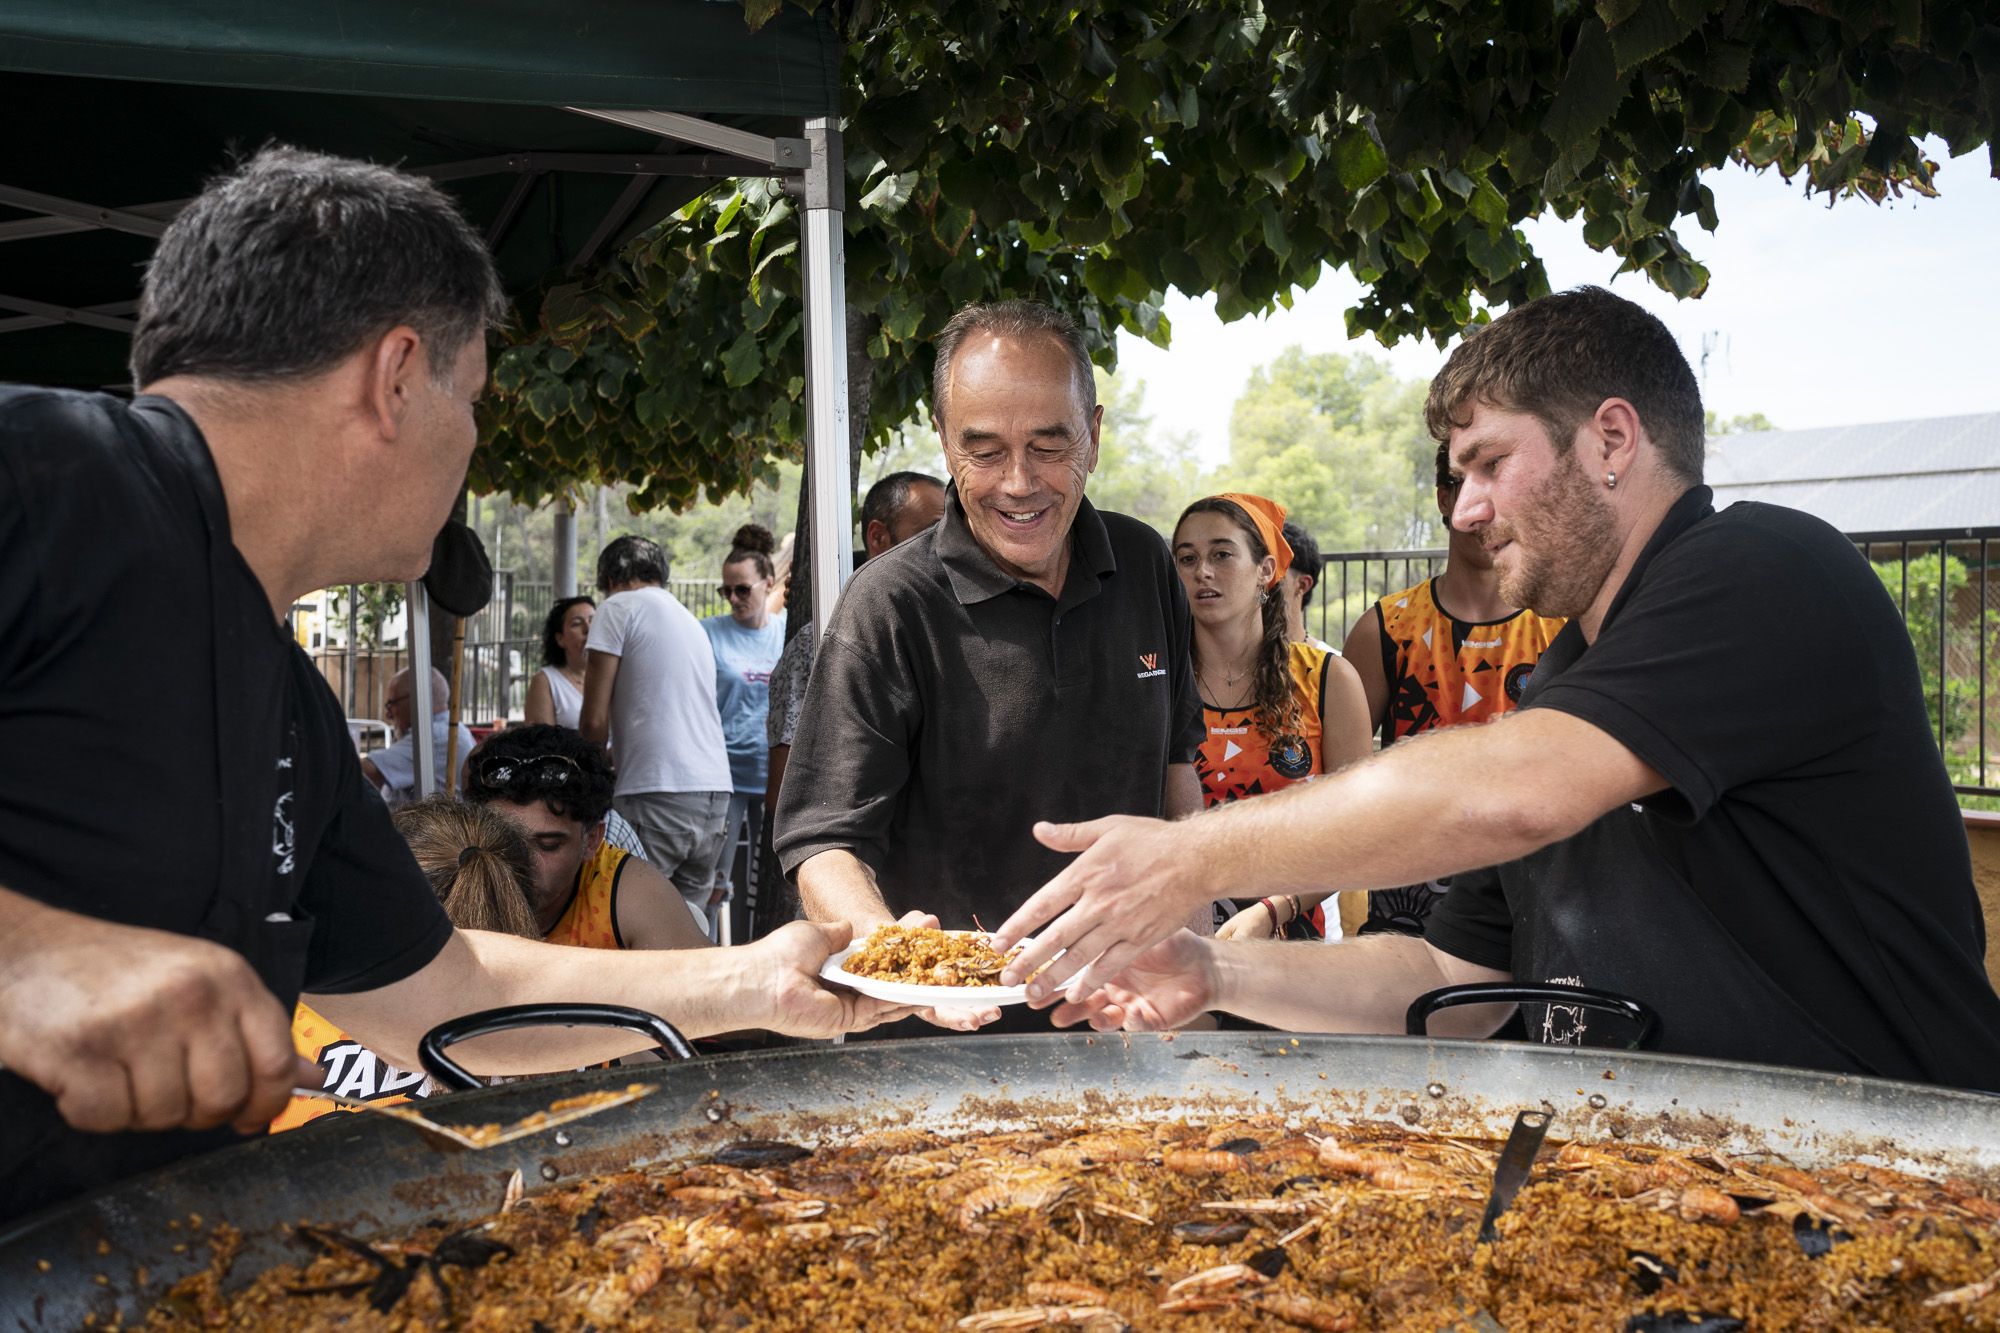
column 284, row 837
column 1564, row 1024
column 1150, row 666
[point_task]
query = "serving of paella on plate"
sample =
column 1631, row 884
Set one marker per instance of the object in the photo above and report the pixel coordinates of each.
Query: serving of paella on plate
column 924, row 965
column 1264, row 1222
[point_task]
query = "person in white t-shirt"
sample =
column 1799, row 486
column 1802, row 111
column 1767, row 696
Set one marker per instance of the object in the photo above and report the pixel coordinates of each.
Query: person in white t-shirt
column 649, row 679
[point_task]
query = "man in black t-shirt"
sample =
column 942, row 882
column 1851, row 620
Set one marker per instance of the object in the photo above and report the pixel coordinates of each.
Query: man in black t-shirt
column 186, row 839
column 1720, row 795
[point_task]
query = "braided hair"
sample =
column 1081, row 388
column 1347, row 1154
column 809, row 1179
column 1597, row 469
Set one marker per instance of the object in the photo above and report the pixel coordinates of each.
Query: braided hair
column 1274, row 702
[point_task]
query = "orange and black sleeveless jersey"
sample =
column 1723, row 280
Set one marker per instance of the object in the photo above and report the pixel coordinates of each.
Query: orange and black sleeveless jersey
column 1443, row 671
column 352, row 1070
column 1236, row 760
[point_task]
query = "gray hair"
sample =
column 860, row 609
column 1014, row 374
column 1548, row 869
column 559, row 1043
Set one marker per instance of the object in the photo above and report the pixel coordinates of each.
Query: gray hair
column 630, row 559
column 294, row 260
column 1012, row 319
column 440, row 687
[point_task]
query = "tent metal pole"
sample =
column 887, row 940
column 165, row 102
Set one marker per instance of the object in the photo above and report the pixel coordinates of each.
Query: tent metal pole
column 562, row 578
column 784, row 154
column 826, row 368
column 352, row 624
column 418, row 598
column 57, row 314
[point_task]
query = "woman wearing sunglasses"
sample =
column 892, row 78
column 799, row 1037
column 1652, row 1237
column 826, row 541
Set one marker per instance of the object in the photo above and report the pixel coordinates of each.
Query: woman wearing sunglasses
column 747, row 641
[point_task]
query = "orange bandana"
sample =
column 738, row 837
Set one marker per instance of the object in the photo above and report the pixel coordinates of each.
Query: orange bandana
column 1269, row 518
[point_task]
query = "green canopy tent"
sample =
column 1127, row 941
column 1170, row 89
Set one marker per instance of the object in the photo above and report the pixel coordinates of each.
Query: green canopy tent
column 564, row 129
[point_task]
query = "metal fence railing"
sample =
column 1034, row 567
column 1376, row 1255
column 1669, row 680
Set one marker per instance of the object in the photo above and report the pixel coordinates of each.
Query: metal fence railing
column 503, row 650
column 1942, row 581
column 1352, row 581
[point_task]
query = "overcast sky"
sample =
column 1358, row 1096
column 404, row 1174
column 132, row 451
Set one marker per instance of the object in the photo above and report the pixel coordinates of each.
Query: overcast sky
column 1813, row 316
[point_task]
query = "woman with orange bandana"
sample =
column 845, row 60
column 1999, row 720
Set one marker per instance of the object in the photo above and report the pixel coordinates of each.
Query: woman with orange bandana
column 1276, row 712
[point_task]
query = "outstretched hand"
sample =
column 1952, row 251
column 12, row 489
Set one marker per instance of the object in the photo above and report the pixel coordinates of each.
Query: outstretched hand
column 1135, row 883
column 800, row 1004
column 1165, row 988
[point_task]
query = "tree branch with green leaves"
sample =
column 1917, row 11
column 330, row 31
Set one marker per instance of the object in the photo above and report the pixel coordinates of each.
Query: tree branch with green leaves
column 1096, row 156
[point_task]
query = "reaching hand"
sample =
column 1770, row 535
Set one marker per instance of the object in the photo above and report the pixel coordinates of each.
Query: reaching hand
column 1135, row 884
column 1252, row 923
column 800, row 1005
column 1167, row 987
column 135, row 1029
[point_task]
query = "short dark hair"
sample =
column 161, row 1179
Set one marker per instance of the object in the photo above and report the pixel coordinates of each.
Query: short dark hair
column 1560, row 357
column 294, row 260
column 1305, row 554
column 630, row 559
column 1445, row 481
column 886, row 498
column 552, row 651
column 585, row 799
column 1012, row 319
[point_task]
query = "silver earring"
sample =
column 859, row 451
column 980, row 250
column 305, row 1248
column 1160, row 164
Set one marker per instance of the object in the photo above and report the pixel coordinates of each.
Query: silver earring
column 1611, row 481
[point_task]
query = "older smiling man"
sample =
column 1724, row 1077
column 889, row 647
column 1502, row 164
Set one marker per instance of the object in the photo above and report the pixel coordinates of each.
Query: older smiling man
column 1025, row 659
column 1720, row 793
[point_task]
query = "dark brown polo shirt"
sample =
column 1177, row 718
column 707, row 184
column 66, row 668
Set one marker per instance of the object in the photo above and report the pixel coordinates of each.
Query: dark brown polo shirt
column 951, row 707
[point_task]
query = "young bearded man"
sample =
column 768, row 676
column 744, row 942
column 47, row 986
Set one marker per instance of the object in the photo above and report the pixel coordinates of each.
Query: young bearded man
column 1688, row 807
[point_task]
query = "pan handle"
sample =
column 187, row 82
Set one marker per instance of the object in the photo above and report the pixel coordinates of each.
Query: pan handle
column 453, row 1076
column 1646, row 1018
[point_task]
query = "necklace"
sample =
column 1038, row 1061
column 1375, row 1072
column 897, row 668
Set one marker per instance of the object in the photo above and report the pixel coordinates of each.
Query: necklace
column 1228, row 690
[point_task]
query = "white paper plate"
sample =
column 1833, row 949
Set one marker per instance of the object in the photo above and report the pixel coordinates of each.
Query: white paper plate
column 899, row 992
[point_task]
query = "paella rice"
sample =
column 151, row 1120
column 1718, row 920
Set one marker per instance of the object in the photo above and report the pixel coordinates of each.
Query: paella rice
column 1256, row 1223
column 923, row 956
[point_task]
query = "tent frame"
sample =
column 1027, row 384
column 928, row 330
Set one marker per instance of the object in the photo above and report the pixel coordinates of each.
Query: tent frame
column 812, row 168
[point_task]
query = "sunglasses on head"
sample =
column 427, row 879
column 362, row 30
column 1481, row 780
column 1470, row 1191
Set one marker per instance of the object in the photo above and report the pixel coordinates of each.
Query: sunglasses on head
column 734, row 590
column 542, row 772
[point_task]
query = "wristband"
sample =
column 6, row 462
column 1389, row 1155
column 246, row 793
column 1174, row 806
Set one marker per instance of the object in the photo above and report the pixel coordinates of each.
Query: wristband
column 1272, row 908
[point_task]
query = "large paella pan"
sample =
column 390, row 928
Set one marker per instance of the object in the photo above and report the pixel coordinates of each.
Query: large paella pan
column 116, row 1253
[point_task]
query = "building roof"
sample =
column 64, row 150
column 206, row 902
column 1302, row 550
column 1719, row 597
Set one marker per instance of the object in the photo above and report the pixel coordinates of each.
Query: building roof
column 1940, row 473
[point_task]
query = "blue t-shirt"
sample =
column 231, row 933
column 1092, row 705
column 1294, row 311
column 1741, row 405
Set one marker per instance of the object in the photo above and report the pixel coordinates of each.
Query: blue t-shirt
column 743, row 662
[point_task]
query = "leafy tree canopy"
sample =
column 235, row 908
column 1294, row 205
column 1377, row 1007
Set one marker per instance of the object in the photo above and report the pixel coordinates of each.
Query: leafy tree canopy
column 1340, row 442
column 1096, row 155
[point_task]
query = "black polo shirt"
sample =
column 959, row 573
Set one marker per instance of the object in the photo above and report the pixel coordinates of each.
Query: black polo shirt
column 172, row 759
column 952, row 706
column 1801, row 893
